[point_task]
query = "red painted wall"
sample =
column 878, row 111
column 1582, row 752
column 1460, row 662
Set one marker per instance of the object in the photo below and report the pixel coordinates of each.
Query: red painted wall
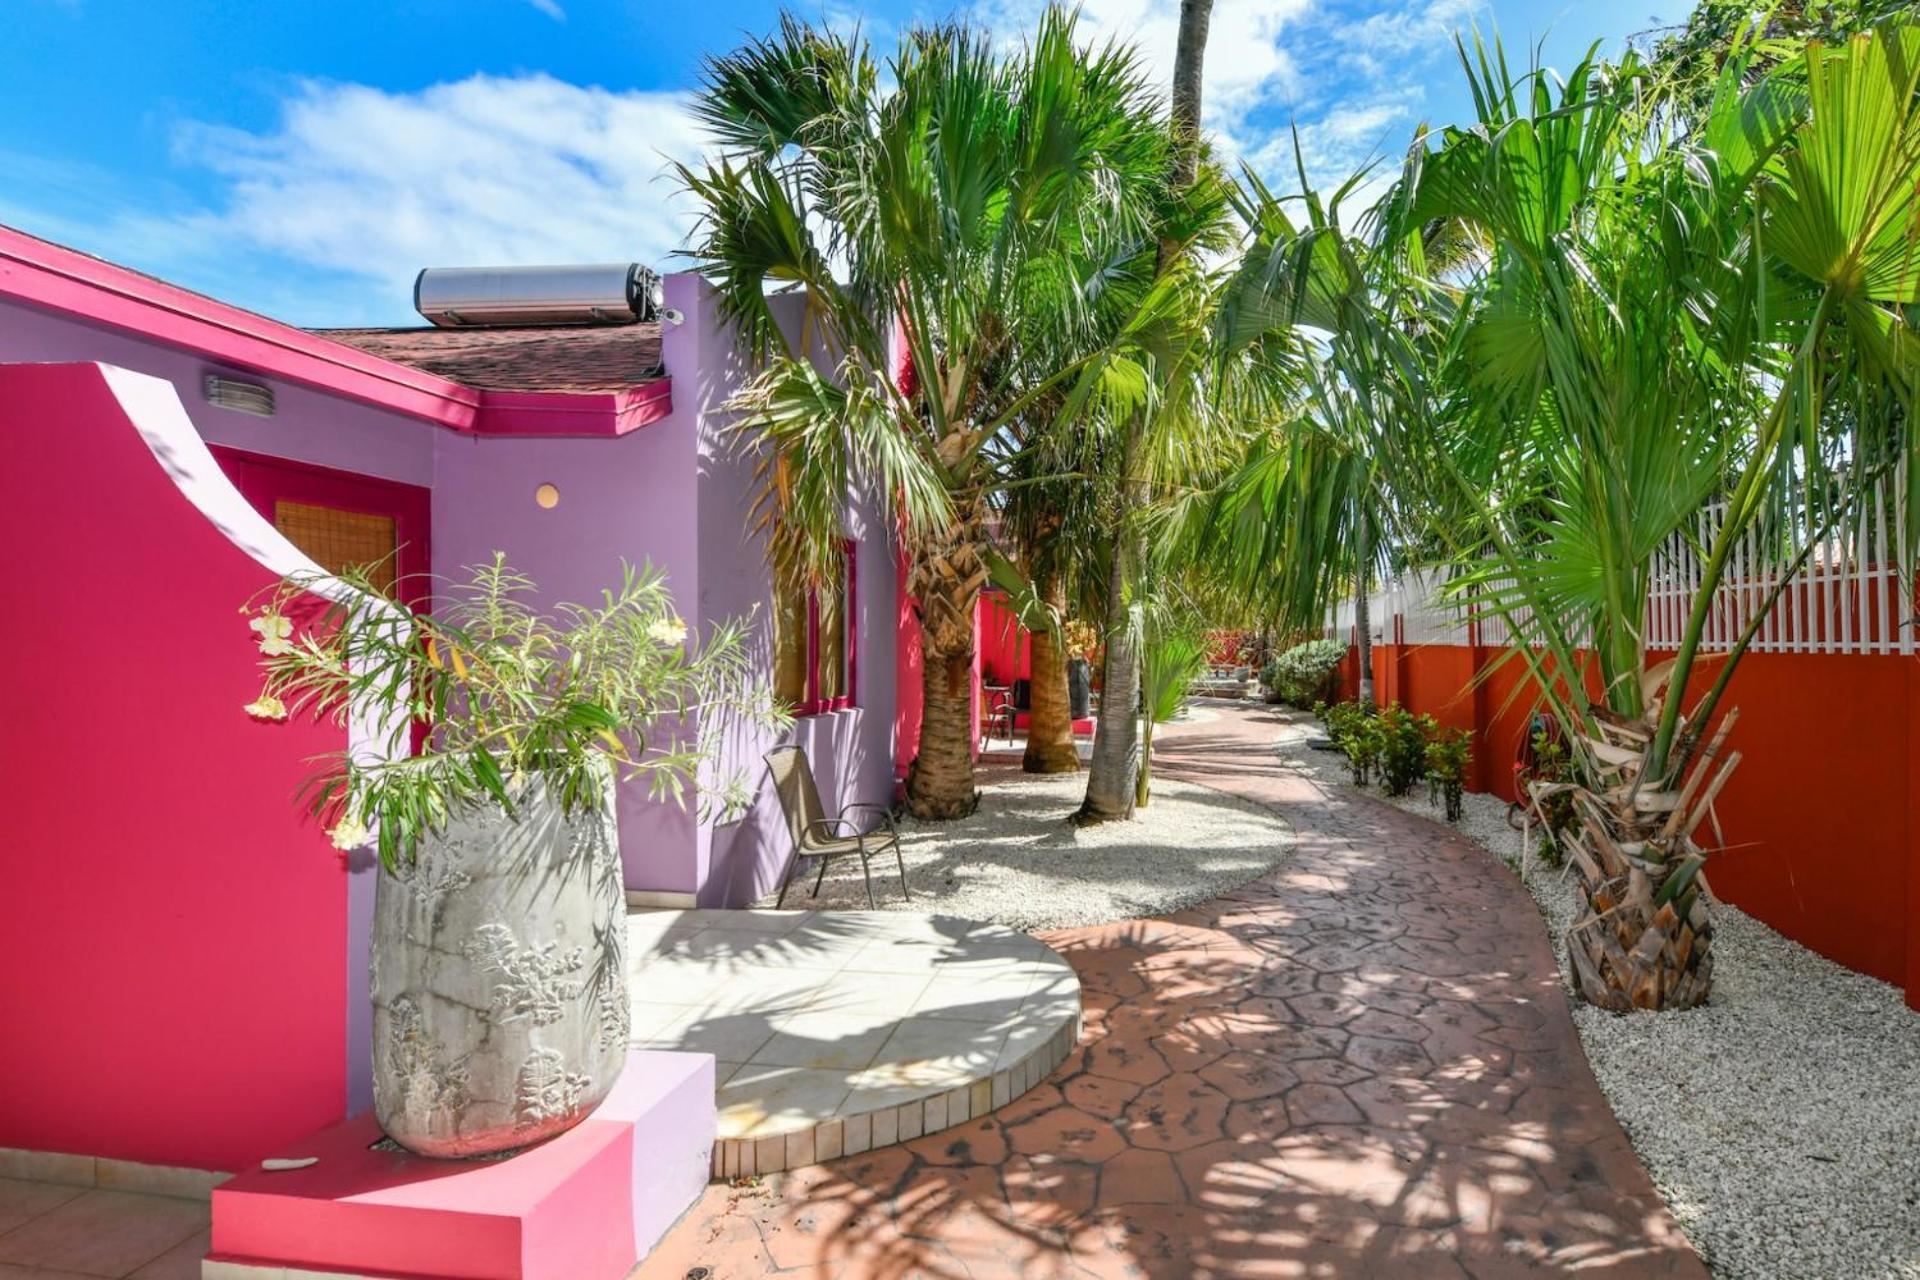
column 1819, row 838
column 1820, row 819
column 908, row 697
column 909, row 694
column 1006, row 651
column 175, row 975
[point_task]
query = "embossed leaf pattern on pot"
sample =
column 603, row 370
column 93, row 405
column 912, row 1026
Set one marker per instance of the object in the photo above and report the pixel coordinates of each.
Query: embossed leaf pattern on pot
column 499, row 979
column 535, row 986
column 430, row 1089
column 547, row 1090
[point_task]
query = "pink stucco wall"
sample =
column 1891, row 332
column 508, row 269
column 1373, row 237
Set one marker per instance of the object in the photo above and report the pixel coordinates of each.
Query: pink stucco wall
column 193, row 982
column 308, row 426
column 175, row 986
column 672, row 492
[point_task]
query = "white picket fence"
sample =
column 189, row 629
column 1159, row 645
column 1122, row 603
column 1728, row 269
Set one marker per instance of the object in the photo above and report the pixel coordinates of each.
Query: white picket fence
column 1847, row 598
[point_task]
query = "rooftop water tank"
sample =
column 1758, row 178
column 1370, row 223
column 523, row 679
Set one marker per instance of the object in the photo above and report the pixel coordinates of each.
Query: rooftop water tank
column 593, row 293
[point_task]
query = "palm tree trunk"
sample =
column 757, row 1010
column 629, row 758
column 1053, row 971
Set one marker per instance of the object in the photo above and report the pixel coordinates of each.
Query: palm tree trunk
column 1189, row 57
column 1143, row 780
column 945, row 584
column 1050, row 746
column 1116, row 745
column 940, row 782
column 1116, row 749
column 1642, row 937
column 1363, row 614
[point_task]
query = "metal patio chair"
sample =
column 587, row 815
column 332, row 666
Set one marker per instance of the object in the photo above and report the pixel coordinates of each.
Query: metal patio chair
column 816, row 835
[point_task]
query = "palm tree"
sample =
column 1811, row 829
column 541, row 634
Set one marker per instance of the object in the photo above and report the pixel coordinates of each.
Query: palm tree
column 1116, row 746
column 1667, row 319
column 1050, row 747
column 1306, row 514
column 977, row 201
column 1045, row 510
column 1172, row 655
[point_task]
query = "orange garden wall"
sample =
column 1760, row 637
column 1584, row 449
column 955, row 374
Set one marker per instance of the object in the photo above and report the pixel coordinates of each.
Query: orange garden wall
column 1821, row 819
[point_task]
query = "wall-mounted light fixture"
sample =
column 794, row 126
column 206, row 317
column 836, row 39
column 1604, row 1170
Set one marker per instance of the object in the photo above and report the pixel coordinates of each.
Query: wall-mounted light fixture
column 548, row 496
column 241, row 397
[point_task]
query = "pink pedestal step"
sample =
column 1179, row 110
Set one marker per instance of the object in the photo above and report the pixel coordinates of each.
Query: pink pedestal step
column 587, row 1205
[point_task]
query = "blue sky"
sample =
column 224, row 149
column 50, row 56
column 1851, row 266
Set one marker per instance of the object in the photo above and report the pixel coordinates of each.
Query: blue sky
column 304, row 159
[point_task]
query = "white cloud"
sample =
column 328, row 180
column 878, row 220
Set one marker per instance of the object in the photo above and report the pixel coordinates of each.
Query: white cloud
column 325, row 216
column 551, row 8
column 1351, row 77
column 1415, row 28
column 1248, row 64
column 484, row 171
column 1345, row 138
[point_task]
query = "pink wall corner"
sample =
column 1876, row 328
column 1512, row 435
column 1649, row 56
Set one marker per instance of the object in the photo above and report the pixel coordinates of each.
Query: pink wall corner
column 973, row 686
column 176, row 972
column 907, row 661
column 1006, row 650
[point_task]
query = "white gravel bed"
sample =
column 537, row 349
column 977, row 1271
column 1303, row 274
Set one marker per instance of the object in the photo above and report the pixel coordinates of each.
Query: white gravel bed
column 1018, row 862
column 1781, row 1122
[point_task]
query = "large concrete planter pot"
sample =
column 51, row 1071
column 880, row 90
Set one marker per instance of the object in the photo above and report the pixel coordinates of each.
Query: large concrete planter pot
column 499, row 979
column 1079, row 688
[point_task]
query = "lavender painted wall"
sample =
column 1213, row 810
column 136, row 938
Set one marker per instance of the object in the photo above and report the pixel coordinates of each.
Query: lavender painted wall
column 630, row 497
column 851, row 751
column 676, row 494
column 307, row 425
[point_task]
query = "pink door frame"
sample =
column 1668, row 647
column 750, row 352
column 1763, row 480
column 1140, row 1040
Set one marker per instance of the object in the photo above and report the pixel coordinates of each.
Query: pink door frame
column 264, row 479
column 814, row 704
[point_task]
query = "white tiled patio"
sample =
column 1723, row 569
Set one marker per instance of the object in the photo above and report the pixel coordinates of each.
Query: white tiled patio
column 839, row 1031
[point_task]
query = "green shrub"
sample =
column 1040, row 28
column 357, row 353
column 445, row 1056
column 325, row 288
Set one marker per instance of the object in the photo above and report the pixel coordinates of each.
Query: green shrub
column 1403, row 748
column 1552, row 764
column 1305, row 673
column 1355, row 730
column 1449, row 756
column 1363, row 746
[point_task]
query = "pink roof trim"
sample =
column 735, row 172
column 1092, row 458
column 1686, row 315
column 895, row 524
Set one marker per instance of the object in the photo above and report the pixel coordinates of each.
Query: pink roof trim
column 75, row 284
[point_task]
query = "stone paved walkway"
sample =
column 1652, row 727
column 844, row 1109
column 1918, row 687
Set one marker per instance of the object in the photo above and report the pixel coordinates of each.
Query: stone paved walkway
column 1360, row 1065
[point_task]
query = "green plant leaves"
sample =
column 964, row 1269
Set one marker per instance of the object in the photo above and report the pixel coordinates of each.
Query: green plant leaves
column 569, row 696
column 1843, row 212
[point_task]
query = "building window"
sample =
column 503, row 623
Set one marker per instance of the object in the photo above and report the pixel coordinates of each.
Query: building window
column 341, row 519
column 339, row 541
column 814, row 643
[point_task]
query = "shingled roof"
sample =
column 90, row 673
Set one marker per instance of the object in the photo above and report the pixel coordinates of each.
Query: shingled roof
column 570, row 358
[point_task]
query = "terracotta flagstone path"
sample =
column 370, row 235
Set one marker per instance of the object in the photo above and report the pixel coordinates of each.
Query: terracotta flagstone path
column 1360, row 1065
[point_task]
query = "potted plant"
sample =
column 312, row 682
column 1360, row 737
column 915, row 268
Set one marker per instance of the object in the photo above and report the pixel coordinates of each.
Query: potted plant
column 498, row 972
column 1083, row 641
